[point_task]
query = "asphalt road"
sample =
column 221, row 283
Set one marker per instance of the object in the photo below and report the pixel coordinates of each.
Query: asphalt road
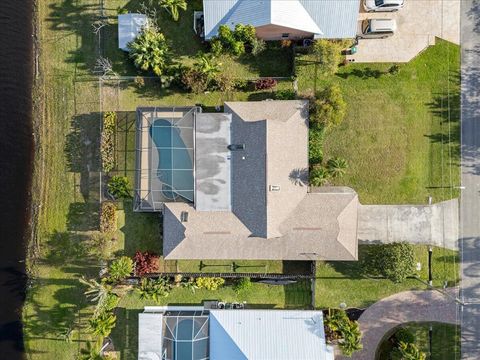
column 470, row 199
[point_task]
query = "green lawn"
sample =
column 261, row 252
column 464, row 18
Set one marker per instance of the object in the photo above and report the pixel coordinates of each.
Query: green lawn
column 401, row 132
column 338, row 282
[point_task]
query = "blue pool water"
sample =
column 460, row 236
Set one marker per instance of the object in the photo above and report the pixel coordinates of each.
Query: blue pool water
column 175, row 165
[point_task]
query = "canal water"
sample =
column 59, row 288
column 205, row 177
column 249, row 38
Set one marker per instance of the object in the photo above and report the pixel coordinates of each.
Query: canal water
column 16, row 155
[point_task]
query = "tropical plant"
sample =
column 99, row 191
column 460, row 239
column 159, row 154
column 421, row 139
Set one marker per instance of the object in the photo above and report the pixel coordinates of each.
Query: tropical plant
column 97, row 291
column 404, row 335
column 154, row 289
column 91, row 352
column 236, row 41
column 329, row 108
column 339, row 326
column 120, row 268
column 242, row 284
column 102, row 324
column 145, row 263
column 337, row 167
column 319, row 176
column 108, row 217
column 408, row 351
column 206, row 65
column 209, row 283
column 107, row 141
column 189, row 284
column 150, row 51
column 328, row 54
column 119, row 187
column 395, row 261
column 173, row 7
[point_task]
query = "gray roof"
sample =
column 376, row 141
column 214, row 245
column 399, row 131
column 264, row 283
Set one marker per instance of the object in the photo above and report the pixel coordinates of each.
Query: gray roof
column 212, row 162
column 266, row 224
column 325, row 18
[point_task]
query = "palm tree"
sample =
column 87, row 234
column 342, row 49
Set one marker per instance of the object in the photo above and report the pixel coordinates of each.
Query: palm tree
column 98, row 292
column 120, row 268
column 337, row 167
column 150, row 51
column 102, row 324
column 319, row 176
column 92, row 352
column 172, row 7
column 206, row 65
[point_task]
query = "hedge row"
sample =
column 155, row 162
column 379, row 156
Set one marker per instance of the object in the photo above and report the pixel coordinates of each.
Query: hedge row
column 108, row 217
column 107, row 146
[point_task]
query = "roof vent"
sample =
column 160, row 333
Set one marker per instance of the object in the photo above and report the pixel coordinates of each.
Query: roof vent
column 184, row 216
column 274, row 187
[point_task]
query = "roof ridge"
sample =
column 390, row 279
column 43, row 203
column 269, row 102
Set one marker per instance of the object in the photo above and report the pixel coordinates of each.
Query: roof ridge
column 338, row 240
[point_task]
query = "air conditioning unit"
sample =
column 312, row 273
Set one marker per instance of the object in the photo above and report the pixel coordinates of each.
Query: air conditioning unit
column 274, row 187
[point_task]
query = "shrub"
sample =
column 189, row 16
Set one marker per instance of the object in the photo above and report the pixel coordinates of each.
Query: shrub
column 242, row 284
column 315, row 146
column 285, row 95
column 339, row 326
column 150, row 51
column 329, row 108
column 236, row 42
column 404, row 335
column 328, row 54
column 108, row 217
column 258, row 46
column 120, row 268
column 119, row 187
column 394, row 70
column 194, row 81
column 107, row 141
column 337, row 167
column 145, row 263
column 172, row 7
column 265, row 84
column 209, row 283
column 154, row 289
column 395, row 261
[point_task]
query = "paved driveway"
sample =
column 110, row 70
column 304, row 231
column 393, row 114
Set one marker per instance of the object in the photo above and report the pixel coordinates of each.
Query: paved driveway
column 417, row 224
column 418, row 23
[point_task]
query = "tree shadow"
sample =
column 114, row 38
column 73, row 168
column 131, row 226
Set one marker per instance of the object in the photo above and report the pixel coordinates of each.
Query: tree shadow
column 71, row 17
column 83, row 216
column 351, row 269
column 366, row 73
column 65, row 247
column 125, row 334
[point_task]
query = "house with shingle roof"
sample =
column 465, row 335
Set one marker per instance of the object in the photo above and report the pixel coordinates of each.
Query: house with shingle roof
column 251, row 199
column 284, row 19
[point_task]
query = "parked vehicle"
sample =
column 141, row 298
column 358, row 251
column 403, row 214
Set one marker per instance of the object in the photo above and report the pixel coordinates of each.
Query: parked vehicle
column 378, row 28
column 382, row 5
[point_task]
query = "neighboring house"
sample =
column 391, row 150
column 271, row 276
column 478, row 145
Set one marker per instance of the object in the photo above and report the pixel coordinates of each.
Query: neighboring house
column 194, row 333
column 233, row 185
column 129, row 26
column 284, row 19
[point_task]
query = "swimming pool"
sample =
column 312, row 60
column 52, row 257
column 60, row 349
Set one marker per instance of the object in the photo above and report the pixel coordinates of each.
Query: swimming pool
column 174, row 159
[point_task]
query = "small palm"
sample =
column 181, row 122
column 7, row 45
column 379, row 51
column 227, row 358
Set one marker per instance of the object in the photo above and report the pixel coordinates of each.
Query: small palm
column 337, row 167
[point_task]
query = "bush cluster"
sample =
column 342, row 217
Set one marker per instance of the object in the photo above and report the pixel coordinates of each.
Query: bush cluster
column 119, row 187
column 145, row 263
column 241, row 40
column 329, row 107
column 108, row 217
column 265, row 83
column 395, row 261
column 120, row 268
column 209, row 283
column 154, row 289
column 339, row 327
column 107, row 141
column 242, row 284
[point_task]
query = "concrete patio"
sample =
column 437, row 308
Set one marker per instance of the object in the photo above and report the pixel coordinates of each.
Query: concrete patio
column 418, row 24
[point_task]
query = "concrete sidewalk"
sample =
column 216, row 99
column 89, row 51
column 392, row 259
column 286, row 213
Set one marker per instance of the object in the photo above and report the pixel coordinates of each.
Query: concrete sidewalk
column 417, row 224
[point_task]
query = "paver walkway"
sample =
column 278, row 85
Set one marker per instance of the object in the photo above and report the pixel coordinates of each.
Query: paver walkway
column 435, row 224
column 404, row 307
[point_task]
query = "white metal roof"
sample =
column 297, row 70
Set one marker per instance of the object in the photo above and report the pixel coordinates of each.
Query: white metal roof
column 324, row 18
column 129, row 26
column 267, row 334
column 150, row 336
